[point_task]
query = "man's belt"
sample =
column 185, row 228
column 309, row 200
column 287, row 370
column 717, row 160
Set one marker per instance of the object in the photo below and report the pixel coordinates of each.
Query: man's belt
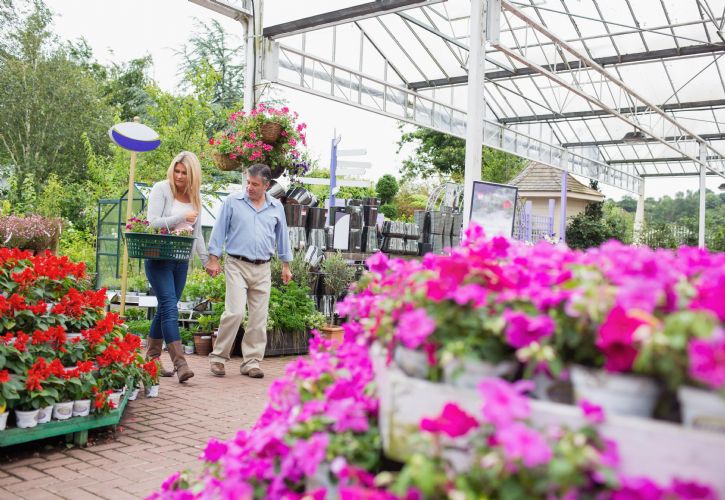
column 256, row 262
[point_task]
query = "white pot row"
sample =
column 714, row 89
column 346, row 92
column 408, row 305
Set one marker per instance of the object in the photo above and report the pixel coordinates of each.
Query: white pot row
column 67, row 409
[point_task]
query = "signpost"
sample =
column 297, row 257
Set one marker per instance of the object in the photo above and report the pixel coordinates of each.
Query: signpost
column 136, row 138
column 344, row 167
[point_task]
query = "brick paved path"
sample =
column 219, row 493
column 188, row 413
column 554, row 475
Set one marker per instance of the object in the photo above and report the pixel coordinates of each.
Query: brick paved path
column 157, row 437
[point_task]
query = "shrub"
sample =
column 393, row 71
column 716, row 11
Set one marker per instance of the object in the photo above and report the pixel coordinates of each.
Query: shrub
column 33, row 232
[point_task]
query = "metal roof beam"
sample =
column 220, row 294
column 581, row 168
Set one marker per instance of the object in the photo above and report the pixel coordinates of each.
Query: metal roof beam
column 707, row 137
column 652, row 55
column 342, row 16
column 572, row 115
column 672, row 159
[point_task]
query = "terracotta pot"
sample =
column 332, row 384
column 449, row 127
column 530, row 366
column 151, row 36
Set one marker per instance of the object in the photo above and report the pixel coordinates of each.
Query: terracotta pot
column 334, row 333
column 202, row 343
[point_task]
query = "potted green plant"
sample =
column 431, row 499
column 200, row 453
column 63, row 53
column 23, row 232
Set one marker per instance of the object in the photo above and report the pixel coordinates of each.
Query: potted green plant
column 338, row 275
column 9, row 387
column 187, row 339
column 150, row 377
column 32, row 400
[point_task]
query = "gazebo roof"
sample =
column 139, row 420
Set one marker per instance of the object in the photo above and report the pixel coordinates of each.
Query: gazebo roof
column 537, row 177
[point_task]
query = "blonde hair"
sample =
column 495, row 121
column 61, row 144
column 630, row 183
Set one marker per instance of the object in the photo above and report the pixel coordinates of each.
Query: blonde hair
column 193, row 177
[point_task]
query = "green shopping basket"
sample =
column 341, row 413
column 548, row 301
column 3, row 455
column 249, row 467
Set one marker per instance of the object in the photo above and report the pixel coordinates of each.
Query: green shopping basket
column 158, row 246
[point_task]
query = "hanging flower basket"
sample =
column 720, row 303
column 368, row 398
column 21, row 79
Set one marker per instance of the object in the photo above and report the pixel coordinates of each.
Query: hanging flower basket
column 158, row 246
column 225, row 163
column 271, row 132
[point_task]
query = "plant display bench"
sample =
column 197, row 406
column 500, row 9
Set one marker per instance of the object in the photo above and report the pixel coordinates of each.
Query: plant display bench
column 652, row 448
column 75, row 429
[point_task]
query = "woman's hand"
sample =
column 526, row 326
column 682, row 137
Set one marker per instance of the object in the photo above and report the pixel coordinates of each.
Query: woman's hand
column 191, row 216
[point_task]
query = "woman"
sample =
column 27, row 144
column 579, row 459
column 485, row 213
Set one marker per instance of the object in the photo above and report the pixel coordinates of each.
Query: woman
column 174, row 204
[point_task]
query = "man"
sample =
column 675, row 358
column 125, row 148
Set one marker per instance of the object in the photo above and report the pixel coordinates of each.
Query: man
column 250, row 226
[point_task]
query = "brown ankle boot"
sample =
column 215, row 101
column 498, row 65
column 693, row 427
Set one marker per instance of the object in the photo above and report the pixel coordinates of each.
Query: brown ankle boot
column 176, row 351
column 153, row 351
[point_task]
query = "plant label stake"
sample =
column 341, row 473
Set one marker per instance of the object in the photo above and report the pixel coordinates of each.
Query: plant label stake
column 136, row 138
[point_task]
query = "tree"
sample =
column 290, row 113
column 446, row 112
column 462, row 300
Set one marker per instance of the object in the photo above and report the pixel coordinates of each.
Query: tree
column 597, row 224
column 387, row 188
column 439, row 154
column 48, row 102
column 212, row 51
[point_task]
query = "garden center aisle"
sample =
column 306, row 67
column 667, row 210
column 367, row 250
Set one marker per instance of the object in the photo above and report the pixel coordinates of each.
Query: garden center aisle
column 157, row 437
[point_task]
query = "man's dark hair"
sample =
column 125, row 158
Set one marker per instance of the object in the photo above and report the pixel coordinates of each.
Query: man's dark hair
column 260, row 170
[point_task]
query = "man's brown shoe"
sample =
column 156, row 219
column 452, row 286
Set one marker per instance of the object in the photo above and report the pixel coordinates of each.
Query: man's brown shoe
column 255, row 373
column 217, row 369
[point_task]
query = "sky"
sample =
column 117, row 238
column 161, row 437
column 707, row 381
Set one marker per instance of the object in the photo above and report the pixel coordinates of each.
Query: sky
column 120, row 31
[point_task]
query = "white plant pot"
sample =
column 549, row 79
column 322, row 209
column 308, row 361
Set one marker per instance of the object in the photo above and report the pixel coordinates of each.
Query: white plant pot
column 63, row 411
column 3, row 420
column 26, row 419
column 153, row 391
column 702, row 408
column 413, row 363
column 133, row 395
column 469, row 372
column 81, row 407
column 75, row 335
column 620, row 394
column 115, row 398
column 44, row 414
column 188, row 349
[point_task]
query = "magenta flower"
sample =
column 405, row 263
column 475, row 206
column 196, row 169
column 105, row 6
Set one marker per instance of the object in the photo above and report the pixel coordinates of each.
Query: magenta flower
column 637, row 489
column 214, row 450
column 616, row 340
column 452, row 421
column 522, row 330
column 504, row 402
column 414, row 327
column 707, row 359
column 520, row 442
column 592, row 412
column 377, row 263
column 474, row 295
column 690, row 490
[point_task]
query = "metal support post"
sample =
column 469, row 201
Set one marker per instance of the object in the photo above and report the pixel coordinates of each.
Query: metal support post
column 562, row 206
column 552, row 207
column 703, row 195
column 333, row 179
column 249, row 77
column 639, row 215
column 475, row 106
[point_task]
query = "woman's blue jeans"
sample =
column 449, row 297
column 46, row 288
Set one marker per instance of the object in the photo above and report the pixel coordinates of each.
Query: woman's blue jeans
column 168, row 278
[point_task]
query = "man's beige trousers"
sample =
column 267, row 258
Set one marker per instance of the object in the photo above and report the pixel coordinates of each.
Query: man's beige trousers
column 247, row 284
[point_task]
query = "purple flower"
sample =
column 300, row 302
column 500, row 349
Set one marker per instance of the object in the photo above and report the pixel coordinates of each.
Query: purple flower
column 522, row 330
column 707, row 359
column 690, row 490
column 637, row 489
column 452, row 421
column 520, row 442
column 504, row 402
column 592, row 412
column 214, row 450
column 414, row 327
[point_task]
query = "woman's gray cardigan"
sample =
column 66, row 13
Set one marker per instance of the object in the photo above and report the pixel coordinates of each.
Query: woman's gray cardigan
column 161, row 201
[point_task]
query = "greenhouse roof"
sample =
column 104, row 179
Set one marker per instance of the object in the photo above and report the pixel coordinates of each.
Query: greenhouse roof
column 565, row 80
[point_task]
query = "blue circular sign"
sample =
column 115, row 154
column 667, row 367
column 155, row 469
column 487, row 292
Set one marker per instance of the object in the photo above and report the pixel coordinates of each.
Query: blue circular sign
column 134, row 136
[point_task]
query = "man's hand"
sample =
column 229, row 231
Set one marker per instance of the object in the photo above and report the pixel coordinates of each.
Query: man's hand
column 286, row 273
column 212, row 266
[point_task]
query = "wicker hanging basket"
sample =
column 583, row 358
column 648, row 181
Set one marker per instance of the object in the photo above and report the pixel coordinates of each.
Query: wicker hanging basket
column 223, row 162
column 270, row 132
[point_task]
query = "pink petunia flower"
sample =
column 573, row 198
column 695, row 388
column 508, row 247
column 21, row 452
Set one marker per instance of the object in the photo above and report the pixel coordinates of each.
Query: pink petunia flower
column 452, row 421
column 707, row 359
column 521, row 442
column 616, row 340
column 414, row 327
column 503, row 401
column 523, row 330
column 592, row 412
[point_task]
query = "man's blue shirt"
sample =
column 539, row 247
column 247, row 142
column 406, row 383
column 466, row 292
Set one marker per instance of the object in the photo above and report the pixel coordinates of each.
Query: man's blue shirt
column 242, row 230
